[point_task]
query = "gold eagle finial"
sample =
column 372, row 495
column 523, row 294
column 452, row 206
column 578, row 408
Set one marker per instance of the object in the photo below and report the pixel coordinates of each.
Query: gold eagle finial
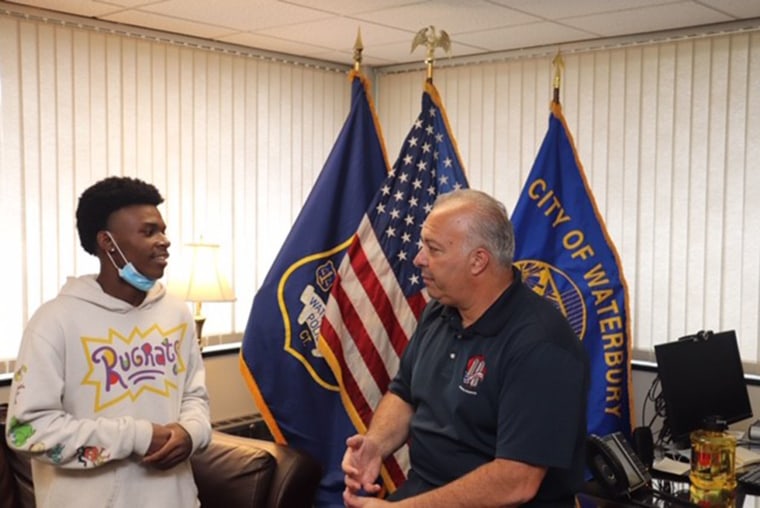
column 432, row 39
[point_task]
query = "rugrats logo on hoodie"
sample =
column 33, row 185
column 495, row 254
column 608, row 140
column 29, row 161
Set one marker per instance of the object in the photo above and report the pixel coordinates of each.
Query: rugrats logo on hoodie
column 127, row 366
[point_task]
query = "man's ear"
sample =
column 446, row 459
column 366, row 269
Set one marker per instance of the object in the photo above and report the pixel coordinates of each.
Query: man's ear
column 104, row 241
column 479, row 259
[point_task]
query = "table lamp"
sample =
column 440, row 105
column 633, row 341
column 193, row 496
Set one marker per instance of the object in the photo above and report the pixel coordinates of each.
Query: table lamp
column 203, row 282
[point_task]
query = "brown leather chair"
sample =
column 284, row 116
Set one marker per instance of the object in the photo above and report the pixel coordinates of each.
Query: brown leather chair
column 232, row 472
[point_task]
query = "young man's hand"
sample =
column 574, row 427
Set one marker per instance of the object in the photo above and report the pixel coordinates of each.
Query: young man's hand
column 176, row 447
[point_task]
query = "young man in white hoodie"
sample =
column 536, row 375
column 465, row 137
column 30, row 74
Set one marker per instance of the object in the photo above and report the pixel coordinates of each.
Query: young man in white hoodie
column 109, row 395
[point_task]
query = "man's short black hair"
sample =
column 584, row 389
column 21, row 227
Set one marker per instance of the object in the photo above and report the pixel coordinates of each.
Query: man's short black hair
column 99, row 201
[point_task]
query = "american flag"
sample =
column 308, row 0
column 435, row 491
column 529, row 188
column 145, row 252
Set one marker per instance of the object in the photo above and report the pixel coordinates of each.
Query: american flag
column 379, row 294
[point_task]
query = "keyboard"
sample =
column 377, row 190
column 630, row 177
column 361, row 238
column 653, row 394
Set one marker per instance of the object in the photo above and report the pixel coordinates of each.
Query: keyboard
column 749, row 478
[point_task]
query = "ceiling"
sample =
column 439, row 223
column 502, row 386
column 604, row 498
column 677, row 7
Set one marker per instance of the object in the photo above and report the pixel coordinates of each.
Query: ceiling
column 327, row 29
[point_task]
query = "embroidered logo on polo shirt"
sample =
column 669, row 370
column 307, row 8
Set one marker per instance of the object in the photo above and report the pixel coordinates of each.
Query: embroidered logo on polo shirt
column 474, row 374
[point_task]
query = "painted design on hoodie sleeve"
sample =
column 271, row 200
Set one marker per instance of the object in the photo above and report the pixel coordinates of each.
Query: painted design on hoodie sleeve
column 55, row 454
column 19, row 432
column 18, row 380
column 91, row 456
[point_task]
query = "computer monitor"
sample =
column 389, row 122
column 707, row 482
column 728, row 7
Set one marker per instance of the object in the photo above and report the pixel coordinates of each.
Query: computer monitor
column 701, row 376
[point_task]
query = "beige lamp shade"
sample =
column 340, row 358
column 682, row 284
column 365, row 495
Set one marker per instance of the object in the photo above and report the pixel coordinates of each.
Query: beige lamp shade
column 203, row 281
column 200, row 280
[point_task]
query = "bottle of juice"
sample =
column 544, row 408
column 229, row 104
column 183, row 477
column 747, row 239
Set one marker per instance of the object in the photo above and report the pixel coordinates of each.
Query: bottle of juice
column 713, row 467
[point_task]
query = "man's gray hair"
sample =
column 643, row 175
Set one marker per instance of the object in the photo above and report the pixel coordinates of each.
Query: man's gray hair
column 489, row 221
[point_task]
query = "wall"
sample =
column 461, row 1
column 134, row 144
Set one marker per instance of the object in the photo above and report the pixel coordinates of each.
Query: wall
column 234, row 142
column 642, row 380
column 228, row 394
column 230, row 397
column 663, row 130
column 663, row 125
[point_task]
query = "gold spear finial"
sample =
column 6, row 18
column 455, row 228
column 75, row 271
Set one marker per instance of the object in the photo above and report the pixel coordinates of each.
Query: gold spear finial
column 358, row 48
column 431, row 39
column 559, row 68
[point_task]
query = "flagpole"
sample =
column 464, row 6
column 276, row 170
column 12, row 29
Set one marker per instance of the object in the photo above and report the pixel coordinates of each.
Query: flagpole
column 559, row 66
column 431, row 39
column 358, row 48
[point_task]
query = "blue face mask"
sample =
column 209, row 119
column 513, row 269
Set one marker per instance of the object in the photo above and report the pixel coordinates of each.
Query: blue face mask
column 134, row 278
column 128, row 272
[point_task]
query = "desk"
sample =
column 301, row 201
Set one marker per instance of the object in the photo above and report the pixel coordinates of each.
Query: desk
column 676, row 486
column 594, row 495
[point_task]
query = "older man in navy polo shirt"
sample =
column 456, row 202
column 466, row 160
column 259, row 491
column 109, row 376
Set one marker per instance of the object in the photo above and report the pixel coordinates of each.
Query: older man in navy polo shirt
column 491, row 390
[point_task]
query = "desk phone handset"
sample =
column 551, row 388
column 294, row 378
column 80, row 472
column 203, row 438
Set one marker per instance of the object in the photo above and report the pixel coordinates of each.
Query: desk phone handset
column 615, row 465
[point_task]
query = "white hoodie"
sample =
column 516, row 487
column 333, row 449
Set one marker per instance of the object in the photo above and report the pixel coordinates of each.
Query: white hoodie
column 92, row 375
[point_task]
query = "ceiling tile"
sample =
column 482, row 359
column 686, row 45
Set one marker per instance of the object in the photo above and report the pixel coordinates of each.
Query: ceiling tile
column 736, row 8
column 78, row 7
column 400, row 52
column 345, row 58
column 552, row 9
column 131, row 4
column 167, row 24
column 238, row 14
column 388, row 54
column 453, row 16
column 647, row 19
column 268, row 43
column 328, row 27
column 524, row 36
column 338, row 33
column 347, row 7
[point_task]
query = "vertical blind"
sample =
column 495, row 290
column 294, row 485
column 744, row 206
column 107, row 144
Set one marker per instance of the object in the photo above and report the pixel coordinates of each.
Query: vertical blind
column 232, row 141
column 669, row 137
column 667, row 132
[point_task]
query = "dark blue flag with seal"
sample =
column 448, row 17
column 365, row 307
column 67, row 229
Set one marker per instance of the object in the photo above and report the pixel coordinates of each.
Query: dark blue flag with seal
column 291, row 382
column 566, row 255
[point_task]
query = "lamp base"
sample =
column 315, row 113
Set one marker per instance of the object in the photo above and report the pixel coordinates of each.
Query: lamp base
column 199, row 320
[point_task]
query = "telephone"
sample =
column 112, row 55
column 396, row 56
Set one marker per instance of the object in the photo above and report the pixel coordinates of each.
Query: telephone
column 614, row 464
column 753, row 433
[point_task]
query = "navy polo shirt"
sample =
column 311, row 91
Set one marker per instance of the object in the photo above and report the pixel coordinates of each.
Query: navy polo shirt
column 512, row 385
